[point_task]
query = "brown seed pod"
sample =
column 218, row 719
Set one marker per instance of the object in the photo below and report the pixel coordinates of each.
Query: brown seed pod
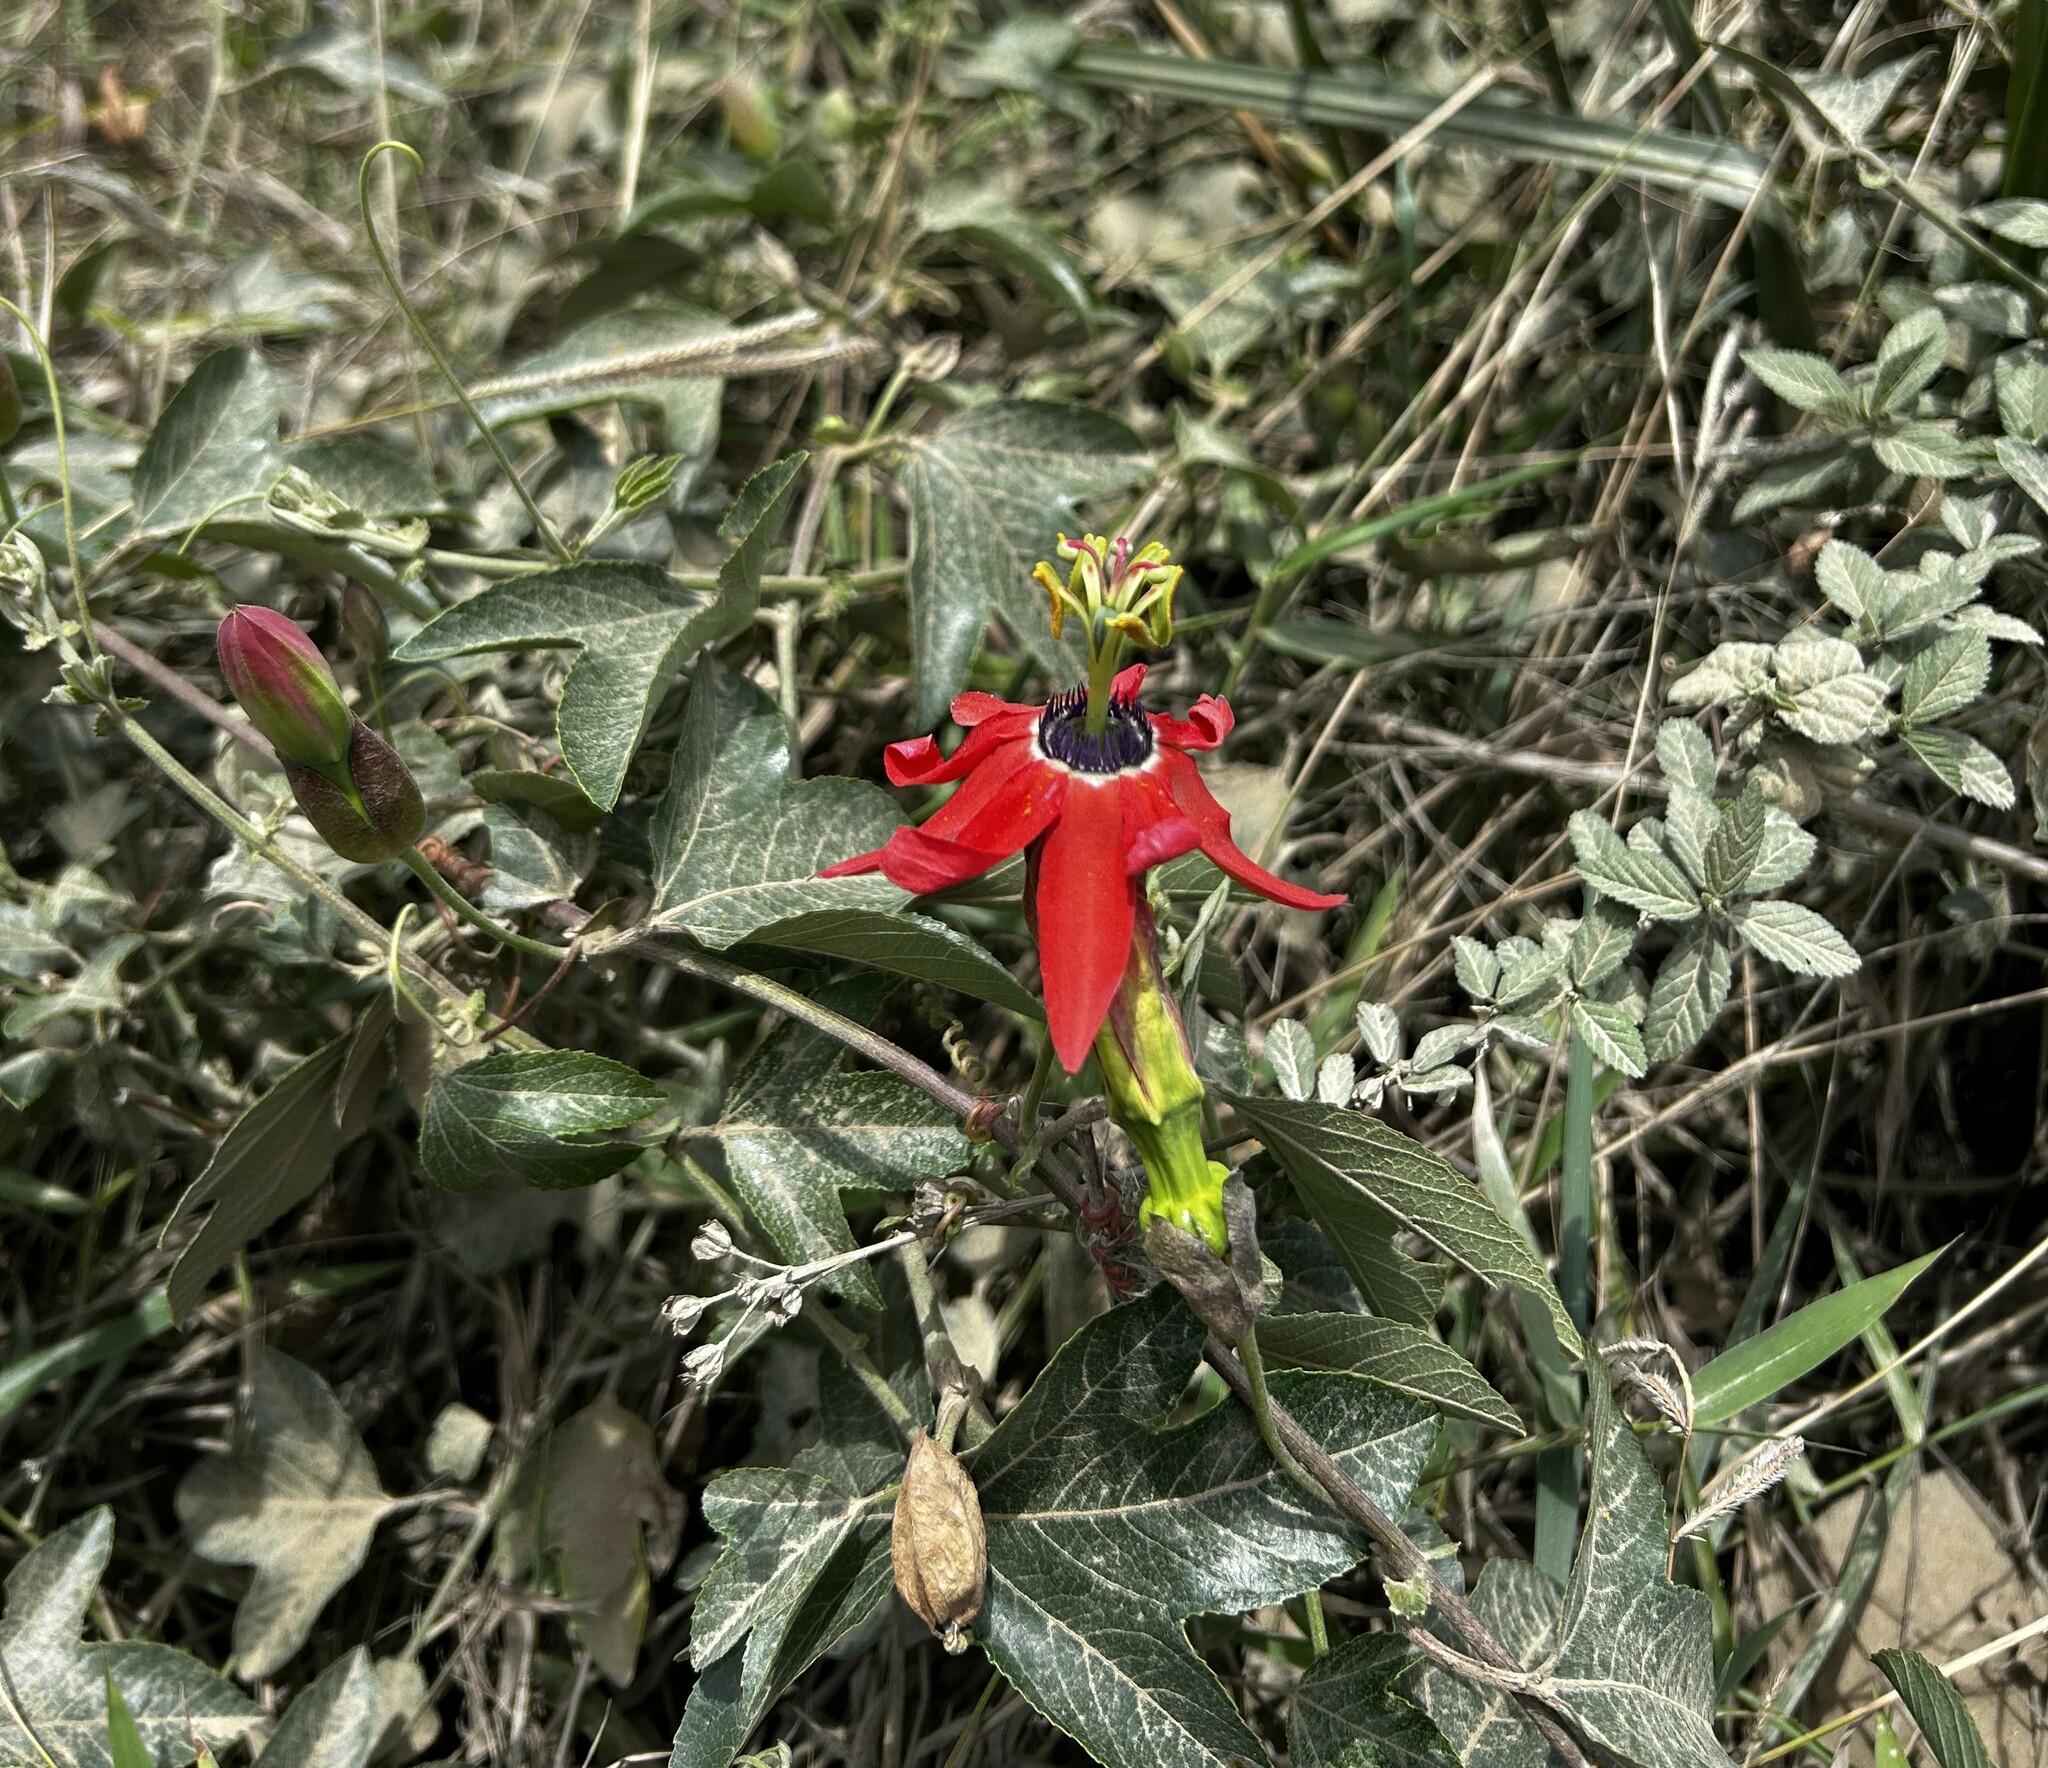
column 936, row 1542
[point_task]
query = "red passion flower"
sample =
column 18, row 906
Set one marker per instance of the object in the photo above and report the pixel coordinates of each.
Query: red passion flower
column 1097, row 810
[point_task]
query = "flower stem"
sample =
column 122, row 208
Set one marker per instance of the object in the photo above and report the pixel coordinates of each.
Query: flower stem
column 475, row 916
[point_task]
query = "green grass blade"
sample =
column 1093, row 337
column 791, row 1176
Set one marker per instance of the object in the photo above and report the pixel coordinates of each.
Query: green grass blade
column 1351, row 99
column 1761, row 1366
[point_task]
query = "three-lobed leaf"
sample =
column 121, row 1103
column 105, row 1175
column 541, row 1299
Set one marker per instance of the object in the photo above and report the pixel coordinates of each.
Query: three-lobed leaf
column 297, row 1498
column 988, row 491
column 632, row 626
column 58, row 1683
column 738, row 845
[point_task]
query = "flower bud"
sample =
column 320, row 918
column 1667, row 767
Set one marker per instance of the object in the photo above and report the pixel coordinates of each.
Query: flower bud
column 704, row 1365
column 367, row 806
column 683, row 1312
column 712, row 1241
column 937, row 1544
column 286, row 688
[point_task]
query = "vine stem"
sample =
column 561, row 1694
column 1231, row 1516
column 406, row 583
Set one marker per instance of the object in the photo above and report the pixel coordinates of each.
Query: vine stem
column 49, row 366
column 468, row 911
column 542, row 526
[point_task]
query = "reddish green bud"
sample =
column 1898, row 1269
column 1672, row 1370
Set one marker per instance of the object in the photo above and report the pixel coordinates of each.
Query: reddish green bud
column 283, row 683
column 367, row 807
column 1155, row 1096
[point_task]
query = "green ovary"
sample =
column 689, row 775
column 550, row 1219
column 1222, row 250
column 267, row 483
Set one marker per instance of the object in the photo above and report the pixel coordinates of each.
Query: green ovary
column 1155, row 1097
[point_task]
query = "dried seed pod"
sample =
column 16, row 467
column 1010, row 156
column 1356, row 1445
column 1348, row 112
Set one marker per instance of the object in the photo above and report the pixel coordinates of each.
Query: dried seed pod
column 936, row 1542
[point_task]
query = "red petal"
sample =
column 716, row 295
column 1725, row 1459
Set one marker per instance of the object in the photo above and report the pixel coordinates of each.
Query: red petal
column 1208, row 722
column 1019, row 805
column 971, row 709
column 918, row 762
column 923, row 864
column 856, row 866
column 979, row 787
column 1128, row 683
column 1084, row 907
column 1195, row 799
column 1154, row 828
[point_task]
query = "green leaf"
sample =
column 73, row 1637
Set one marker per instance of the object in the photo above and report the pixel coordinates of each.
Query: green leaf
column 738, row 845
column 1803, row 380
column 980, row 212
column 1759, row 1367
column 596, row 1515
column 215, row 443
column 335, row 1723
column 1402, row 1356
column 1105, row 1532
column 1602, row 941
column 1792, row 481
column 533, row 859
column 1685, row 757
column 1645, row 881
column 1341, row 1160
column 59, row 1683
column 2026, row 467
column 1851, row 579
column 1610, row 1034
column 1924, row 450
column 559, row 798
column 279, row 1152
column 1635, row 1654
column 536, row 1115
column 2024, row 221
column 799, row 1130
column 1737, row 842
column 1931, row 1698
column 989, row 493
column 2022, row 385
column 1787, row 851
column 1964, row 765
column 632, row 355
column 632, row 625
column 1944, row 677
column 1831, row 697
column 1909, row 358
column 1291, row 1051
column 297, row 1497
column 1691, row 989
column 908, row 945
column 1347, row 1711
column 1793, row 935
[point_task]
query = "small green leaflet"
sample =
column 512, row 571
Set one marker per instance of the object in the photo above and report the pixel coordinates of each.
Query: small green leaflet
column 538, row 1115
column 1338, row 1158
column 1759, row 1367
column 213, row 451
column 60, row 1682
column 632, row 625
column 1105, row 1532
column 1402, row 1356
column 297, row 1498
column 1347, row 1711
column 1936, row 1708
column 989, row 493
column 738, row 845
column 799, row 1130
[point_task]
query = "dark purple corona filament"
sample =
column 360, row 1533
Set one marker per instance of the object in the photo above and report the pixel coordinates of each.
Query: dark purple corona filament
column 1125, row 741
